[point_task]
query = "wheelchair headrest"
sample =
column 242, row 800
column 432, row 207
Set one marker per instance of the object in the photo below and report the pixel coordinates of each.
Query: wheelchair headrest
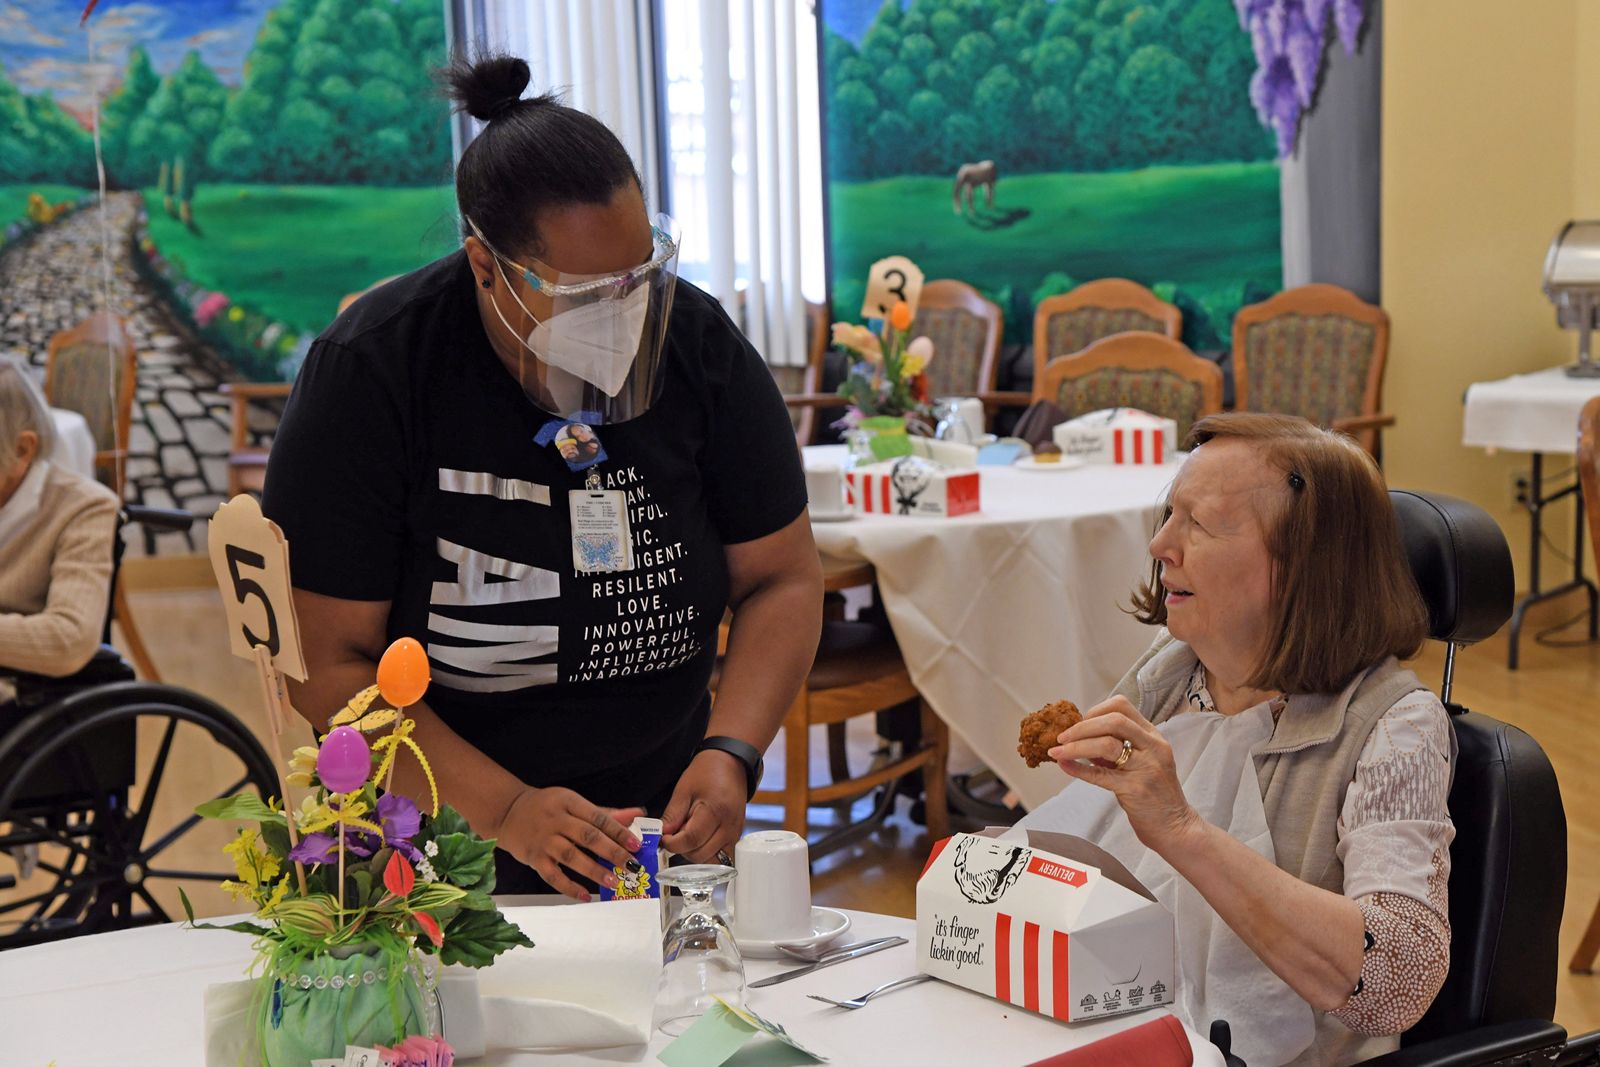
column 1461, row 563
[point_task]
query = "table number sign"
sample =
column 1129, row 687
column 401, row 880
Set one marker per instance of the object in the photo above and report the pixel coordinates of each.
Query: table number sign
column 250, row 559
column 890, row 280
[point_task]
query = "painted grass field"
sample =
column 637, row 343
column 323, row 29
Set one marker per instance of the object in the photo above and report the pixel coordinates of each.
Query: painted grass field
column 291, row 252
column 14, row 198
column 1207, row 229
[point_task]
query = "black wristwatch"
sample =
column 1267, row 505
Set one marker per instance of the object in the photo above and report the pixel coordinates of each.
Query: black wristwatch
column 742, row 751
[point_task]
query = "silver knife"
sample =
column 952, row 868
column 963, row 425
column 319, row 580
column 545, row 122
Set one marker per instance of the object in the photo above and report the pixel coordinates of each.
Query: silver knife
column 829, row 961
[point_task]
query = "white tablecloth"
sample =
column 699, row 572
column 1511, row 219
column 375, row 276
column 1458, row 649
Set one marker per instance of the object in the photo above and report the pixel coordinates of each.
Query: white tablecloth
column 1535, row 412
column 133, row 999
column 1004, row 611
column 74, row 443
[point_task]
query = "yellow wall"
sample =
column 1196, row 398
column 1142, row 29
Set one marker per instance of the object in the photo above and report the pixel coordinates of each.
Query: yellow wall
column 1491, row 140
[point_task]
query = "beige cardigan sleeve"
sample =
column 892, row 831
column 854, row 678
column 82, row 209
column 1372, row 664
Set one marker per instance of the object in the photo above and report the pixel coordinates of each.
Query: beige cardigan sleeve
column 61, row 639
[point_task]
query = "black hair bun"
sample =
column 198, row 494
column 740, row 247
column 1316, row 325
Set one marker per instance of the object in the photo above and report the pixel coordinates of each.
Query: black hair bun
column 486, row 87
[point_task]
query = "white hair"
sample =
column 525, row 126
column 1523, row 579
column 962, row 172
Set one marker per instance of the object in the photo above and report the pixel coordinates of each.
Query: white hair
column 23, row 408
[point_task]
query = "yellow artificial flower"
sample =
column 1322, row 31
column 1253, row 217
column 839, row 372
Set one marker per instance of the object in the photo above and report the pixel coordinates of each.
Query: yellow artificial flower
column 253, row 865
column 238, row 890
column 858, row 339
column 919, row 354
column 302, row 765
column 279, row 891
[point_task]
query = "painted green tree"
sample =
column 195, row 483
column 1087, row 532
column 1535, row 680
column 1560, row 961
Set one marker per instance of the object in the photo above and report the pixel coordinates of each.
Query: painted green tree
column 39, row 141
column 123, row 108
column 175, row 131
column 1086, row 85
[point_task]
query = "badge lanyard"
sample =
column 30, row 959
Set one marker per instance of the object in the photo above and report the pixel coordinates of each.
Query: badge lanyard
column 601, row 538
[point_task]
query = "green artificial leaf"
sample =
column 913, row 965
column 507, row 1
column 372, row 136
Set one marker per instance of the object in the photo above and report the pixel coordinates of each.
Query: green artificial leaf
column 475, row 938
column 243, row 806
column 465, row 861
column 366, row 891
column 242, row 928
column 477, row 900
column 448, row 821
column 276, row 837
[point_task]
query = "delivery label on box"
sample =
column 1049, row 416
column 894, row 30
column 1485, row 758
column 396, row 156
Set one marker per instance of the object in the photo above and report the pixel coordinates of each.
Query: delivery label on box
column 1119, row 435
column 912, row 485
column 1048, row 922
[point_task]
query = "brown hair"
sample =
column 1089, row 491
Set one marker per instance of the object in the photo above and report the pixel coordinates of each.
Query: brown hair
column 1342, row 591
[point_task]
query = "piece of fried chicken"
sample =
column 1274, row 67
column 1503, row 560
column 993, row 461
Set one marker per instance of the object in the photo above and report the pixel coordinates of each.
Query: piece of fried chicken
column 1041, row 728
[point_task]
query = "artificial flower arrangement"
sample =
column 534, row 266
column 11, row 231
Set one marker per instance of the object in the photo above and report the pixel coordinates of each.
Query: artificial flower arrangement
column 887, row 376
column 353, row 892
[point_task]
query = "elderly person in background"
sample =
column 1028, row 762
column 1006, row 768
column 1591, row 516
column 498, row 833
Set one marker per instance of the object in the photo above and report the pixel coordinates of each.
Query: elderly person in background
column 1286, row 598
column 56, row 534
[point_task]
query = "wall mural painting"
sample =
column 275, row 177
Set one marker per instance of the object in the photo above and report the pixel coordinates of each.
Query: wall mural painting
column 264, row 158
column 1025, row 146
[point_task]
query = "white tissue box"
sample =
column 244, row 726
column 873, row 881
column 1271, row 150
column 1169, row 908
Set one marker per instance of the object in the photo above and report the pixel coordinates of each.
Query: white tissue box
column 912, row 485
column 1119, row 435
column 1055, row 925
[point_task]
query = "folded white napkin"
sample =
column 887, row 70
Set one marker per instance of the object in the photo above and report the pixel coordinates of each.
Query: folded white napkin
column 589, row 982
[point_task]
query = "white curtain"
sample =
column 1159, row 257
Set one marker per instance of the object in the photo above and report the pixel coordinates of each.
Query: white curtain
column 598, row 53
column 744, row 168
column 742, row 172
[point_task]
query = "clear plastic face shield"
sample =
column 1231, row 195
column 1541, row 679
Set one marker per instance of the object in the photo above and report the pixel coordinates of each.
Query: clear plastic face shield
column 597, row 346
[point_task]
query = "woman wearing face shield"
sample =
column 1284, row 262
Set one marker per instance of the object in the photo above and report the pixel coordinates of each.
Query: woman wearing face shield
column 556, row 465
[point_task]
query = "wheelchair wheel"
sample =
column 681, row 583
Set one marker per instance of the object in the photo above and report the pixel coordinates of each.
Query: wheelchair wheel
column 71, row 792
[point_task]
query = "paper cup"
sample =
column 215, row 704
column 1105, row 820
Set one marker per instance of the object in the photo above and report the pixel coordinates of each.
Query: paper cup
column 772, row 895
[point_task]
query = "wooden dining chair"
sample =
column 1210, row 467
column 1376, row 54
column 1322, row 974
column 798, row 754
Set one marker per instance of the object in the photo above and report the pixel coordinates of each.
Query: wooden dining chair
column 247, row 457
column 1316, row 351
column 1071, row 322
column 1136, row 370
column 858, row 671
column 92, row 369
column 1589, row 481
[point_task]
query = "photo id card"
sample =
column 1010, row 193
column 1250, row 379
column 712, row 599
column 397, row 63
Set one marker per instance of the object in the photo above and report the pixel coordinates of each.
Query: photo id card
column 601, row 540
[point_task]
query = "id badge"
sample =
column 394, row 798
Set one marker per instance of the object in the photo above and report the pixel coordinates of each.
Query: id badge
column 601, row 540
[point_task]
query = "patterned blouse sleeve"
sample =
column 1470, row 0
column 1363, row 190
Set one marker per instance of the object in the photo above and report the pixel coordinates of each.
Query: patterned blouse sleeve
column 1394, row 841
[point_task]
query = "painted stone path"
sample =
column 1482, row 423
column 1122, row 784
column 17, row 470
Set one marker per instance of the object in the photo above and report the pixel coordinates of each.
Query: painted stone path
column 178, row 445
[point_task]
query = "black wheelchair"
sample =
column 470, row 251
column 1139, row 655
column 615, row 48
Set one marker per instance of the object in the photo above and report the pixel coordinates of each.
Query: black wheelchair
column 82, row 815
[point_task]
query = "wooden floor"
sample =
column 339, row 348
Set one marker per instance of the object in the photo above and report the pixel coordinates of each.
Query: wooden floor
column 1555, row 696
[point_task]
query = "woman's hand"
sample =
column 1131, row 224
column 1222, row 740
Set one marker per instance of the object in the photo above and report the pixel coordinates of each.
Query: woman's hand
column 1146, row 785
column 706, row 813
column 555, row 831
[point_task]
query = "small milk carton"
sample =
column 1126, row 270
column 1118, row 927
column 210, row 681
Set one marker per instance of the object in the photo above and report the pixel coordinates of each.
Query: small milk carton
column 1119, row 435
column 912, row 485
column 1048, row 922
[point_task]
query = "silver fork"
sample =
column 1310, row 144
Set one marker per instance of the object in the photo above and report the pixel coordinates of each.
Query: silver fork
column 861, row 1001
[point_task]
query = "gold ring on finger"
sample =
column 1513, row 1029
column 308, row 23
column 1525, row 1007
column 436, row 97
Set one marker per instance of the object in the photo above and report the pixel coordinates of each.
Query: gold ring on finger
column 1127, row 750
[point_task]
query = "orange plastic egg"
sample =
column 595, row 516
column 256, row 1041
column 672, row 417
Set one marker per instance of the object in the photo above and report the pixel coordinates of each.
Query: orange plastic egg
column 403, row 672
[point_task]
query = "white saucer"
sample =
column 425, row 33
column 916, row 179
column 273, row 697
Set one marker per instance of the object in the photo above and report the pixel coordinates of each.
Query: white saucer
column 826, row 924
column 1031, row 463
column 832, row 516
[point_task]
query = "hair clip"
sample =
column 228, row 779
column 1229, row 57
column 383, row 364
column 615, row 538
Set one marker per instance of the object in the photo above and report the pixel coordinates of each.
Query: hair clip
column 1296, row 482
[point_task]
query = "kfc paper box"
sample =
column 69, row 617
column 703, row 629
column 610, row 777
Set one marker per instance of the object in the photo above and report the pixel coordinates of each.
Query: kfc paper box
column 912, row 485
column 1048, row 922
column 1119, row 435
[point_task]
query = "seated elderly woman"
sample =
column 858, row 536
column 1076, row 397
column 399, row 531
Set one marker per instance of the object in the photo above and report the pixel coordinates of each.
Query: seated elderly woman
column 1270, row 769
column 56, row 532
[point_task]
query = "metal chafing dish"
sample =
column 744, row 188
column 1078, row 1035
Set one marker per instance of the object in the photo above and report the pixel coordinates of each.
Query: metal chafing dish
column 1572, row 282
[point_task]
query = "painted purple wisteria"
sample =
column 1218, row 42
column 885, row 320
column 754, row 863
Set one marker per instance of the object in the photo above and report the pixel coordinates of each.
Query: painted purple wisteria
column 1289, row 37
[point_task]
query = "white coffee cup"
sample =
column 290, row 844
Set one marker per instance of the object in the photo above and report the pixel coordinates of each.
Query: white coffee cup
column 772, row 895
column 825, row 488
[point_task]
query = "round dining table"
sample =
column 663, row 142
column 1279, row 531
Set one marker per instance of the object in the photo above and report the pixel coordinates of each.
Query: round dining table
column 1020, row 604
column 134, row 998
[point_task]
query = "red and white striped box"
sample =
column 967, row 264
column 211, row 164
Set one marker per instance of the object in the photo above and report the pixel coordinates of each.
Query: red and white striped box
column 1047, row 922
column 912, row 485
column 1119, row 435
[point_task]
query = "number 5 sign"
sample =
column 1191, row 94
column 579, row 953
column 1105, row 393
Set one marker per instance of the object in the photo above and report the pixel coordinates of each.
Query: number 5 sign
column 251, row 561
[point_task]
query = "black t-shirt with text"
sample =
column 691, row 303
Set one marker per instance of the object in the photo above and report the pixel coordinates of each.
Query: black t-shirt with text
column 406, row 470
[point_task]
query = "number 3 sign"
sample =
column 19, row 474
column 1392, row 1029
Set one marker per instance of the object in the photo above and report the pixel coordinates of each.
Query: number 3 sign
column 251, row 561
column 891, row 280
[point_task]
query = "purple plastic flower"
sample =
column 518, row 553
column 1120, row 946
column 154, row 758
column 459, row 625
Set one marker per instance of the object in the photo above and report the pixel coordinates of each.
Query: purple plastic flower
column 1289, row 38
column 400, row 821
column 1348, row 15
column 315, row 848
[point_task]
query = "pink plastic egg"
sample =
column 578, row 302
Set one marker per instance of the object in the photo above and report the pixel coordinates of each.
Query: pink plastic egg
column 345, row 761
